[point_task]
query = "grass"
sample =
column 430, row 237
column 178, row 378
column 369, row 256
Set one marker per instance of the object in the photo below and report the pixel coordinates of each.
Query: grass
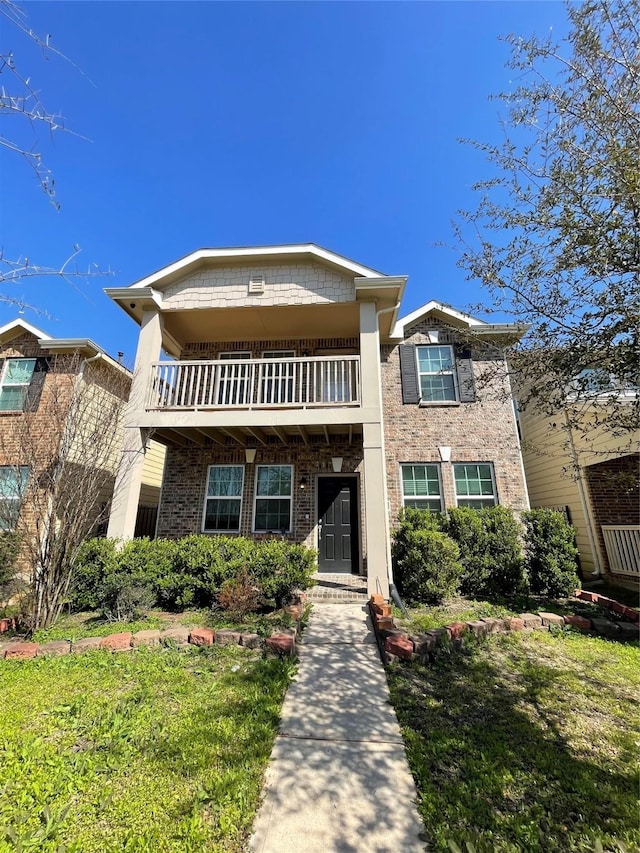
column 74, row 626
column 525, row 742
column 155, row 750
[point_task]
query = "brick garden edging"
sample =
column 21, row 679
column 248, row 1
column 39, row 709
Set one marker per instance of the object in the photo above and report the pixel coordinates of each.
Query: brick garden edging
column 398, row 644
column 281, row 643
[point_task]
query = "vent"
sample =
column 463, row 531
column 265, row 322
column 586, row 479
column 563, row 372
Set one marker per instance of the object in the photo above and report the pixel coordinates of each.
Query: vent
column 256, row 284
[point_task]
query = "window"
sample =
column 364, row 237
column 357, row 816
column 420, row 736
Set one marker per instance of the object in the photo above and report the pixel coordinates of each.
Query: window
column 273, row 498
column 234, row 385
column 277, row 377
column 436, row 374
column 223, row 502
column 421, row 487
column 16, row 377
column 475, row 486
column 13, row 482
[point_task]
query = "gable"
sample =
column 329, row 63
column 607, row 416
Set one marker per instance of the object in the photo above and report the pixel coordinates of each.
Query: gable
column 285, row 283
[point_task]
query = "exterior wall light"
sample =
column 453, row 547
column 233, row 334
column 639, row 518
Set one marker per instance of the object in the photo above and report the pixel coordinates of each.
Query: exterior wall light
column 303, row 483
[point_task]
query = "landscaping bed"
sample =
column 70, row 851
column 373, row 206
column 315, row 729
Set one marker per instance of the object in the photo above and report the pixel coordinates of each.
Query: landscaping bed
column 156, row 750
column 524, row 741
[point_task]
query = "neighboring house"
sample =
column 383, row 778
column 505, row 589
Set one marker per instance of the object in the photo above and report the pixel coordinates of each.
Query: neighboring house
column 53, row 391
column 294, row 402
column 576, row 465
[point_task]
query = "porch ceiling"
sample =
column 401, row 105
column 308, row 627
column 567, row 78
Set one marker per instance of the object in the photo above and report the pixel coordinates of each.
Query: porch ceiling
column 266, row 436
column 285, row 322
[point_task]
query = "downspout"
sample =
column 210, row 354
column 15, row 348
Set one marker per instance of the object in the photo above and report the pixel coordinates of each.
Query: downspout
column 595, row 549
column 393, row 592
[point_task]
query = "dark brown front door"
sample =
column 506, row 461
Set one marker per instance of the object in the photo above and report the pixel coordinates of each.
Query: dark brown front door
column 337, row 524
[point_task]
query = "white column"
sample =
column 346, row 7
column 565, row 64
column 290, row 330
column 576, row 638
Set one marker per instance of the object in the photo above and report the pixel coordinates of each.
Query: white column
column 375, row 478
column 126, row 495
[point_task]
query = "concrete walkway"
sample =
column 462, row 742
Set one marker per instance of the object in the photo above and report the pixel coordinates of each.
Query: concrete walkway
column 338, row 779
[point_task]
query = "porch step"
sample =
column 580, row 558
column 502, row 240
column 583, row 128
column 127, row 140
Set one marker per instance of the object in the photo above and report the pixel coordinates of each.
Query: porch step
column 338, row 589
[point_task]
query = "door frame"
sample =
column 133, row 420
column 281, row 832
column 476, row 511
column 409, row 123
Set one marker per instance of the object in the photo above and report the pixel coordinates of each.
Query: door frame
column 358, row 533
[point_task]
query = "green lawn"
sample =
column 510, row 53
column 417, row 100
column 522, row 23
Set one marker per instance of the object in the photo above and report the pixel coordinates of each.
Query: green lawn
column 525, row 742
column 152, row 750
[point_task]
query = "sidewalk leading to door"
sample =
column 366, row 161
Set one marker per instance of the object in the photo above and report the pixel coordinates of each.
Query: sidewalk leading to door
column 338, row 779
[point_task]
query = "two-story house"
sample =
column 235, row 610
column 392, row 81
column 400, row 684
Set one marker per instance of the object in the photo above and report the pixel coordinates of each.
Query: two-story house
column 294, row 401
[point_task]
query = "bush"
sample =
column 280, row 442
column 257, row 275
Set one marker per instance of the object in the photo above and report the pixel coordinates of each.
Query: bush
column 239, row 595
column 490, row 550
column 123, row 599
column 185, row 572
column 9, row 550
column 96, row 560
column 426, row 561
column 280, row 568
column 550, row 553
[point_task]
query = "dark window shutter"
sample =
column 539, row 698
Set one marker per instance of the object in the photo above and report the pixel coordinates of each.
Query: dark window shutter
column 409, row 374
column 34, row 392
column 464, row 369
column 42, row 365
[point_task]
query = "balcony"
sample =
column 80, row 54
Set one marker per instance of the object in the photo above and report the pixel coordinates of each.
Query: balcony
column 252, row 384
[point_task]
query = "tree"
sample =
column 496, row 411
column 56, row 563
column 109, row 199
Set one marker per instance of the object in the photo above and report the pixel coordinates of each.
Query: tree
column 61, row 454
column 21, row 102
column 555, row 237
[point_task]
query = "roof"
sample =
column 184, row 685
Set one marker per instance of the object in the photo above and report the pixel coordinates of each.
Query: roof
column 166, row 275
column 458, row 319
column 85, row 346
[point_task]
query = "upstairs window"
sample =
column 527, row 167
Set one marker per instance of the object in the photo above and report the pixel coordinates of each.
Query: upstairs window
column 16, row 378
column 272, row 511
column 436, row 373
column 13, row 482
column 475, row 485
column 421, row 487
column 223, row 502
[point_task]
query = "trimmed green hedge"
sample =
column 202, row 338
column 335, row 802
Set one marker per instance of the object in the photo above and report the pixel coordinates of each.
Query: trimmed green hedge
column 550, row 553
column 177, row 573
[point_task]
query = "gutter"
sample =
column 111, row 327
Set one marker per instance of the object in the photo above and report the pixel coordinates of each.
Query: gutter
column 593, row 541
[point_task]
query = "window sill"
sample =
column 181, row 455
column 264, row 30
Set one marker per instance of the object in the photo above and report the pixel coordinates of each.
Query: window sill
column 428, row 404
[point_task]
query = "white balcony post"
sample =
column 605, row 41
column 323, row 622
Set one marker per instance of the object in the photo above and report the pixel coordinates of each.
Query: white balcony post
column 124, row 505
column 375, row 479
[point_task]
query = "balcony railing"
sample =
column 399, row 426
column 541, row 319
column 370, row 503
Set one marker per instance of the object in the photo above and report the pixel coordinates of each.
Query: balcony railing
column 255, row 383
column 623, row 548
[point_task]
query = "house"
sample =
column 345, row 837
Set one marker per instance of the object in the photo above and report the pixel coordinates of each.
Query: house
column 60, row 400
column 294, row 400
column 576, row 464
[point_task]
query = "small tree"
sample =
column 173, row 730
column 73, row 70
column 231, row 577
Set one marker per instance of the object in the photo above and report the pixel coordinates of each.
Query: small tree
column 64, row 452
column 555, row 238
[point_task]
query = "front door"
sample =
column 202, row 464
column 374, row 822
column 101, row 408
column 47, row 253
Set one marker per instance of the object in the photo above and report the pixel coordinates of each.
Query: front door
column 337, row 525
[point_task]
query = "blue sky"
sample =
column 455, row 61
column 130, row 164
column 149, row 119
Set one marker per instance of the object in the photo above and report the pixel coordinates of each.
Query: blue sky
column 231, row 124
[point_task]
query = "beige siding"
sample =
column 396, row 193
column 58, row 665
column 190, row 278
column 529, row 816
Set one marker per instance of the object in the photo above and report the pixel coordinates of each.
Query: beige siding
column 550, row 453
column 152, row 472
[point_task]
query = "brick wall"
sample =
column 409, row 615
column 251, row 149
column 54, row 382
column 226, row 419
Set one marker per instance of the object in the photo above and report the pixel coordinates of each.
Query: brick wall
column 482, row 431
column 308, row 346
column 614, row 490
column 185, row 475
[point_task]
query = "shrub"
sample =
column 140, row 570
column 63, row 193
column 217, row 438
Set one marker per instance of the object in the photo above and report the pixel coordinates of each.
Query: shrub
column 490, row 550
column 96, row 560
column 279, row 568
column 9, row 549
column 123, row 599
column 426, row 561
column 550, row 553
column 239, row 595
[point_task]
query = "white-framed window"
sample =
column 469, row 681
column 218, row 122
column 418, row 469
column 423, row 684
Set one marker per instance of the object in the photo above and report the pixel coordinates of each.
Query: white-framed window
column 223, row 499
column 16, row 378
column 475, row 485
column 13, row 482
column 277, row 376
column 436, row 373
column 234, row 380
column 273, row 498
column 421, row 486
